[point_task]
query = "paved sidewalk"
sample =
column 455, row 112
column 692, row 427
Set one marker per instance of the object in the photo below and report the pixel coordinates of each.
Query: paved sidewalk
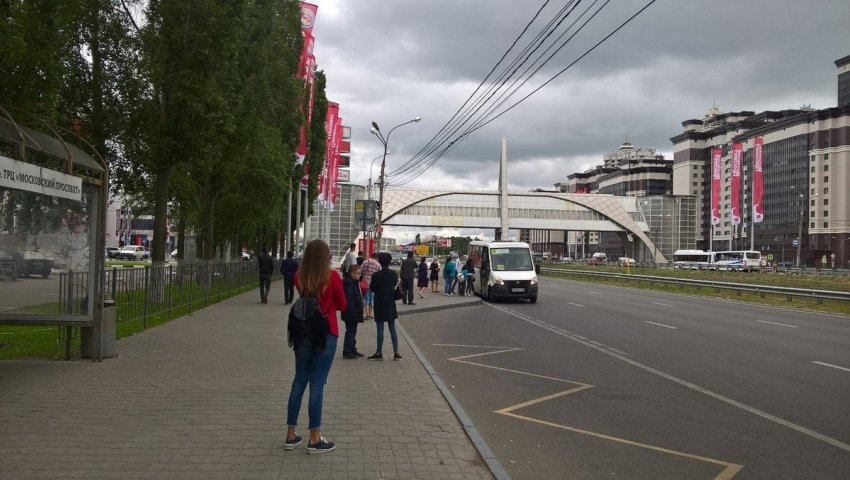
column 204, row 396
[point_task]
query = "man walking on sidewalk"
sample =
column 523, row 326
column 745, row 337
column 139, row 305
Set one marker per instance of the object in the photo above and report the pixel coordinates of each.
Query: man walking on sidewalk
column 266, row 266
column 408, row 272
column 288, row 268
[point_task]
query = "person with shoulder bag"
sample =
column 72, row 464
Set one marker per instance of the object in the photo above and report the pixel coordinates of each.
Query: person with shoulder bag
column 348, row 260
column 320, row 287
column 384, row 285
column 470, row 276
column 449, row 274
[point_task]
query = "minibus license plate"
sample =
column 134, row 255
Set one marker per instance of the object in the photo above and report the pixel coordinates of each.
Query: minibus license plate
column 517, row 289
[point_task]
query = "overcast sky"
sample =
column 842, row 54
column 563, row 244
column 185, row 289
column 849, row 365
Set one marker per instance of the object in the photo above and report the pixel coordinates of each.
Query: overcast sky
column 392, row 60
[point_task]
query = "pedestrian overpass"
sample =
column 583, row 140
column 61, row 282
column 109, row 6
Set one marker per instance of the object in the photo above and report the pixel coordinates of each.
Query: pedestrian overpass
column 421, row 207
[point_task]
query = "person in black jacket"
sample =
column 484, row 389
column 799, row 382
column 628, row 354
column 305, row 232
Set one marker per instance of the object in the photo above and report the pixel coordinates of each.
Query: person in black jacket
column 408, row 273
column 288, row 267
column 383, row 285
column 266, row 266
column 353, row 314
column 470, row 276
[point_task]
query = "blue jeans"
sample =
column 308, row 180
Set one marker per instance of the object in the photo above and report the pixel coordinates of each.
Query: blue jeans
column 349, row 344
column 310, row 369
column 448, row 288
column 393, row 335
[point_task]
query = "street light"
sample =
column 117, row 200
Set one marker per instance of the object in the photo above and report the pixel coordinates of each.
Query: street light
column 370, row 174
column 384, row 141
column 800, row 227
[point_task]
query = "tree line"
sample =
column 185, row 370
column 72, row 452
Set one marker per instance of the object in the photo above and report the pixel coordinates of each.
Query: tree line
column 194, row 104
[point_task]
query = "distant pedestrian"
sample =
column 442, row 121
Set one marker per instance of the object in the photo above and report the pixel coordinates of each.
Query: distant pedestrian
column 458, row 267
column 360, row 258
column 461, row 282
column 449, row 274
column 265, row 263
column 315, row 279
column 435, row 274
column 349, row 259
column 288, row 267
column 368, row 269
column 383, row 285
column 408, row 272
column 470, row 277
column 353, row 314
column 422, row 276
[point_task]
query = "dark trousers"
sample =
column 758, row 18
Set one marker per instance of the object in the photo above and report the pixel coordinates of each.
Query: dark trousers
column 288, row 289
column 265, row 285
column 349, row 343
column 407, row 288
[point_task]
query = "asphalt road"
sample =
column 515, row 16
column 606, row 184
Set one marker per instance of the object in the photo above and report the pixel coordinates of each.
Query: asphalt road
column 600, row 381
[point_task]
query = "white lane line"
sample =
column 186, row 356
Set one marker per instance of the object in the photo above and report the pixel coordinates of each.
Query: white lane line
column 695, row 387
column 833, row 366
column 595, row 293
column 662, row 325
column 662, row 304
column 596, row 343
column 780, row 324
column 616, row 351
column 575, row 304
column 579, row 336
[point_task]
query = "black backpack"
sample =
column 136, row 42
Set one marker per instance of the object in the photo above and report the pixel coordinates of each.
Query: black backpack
column 307, row 325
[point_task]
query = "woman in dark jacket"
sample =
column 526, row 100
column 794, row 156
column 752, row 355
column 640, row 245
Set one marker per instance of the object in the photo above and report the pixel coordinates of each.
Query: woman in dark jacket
column 470, row 276
column 435, row 275
column 422, row 274
column 383, row 285
column 353, row 314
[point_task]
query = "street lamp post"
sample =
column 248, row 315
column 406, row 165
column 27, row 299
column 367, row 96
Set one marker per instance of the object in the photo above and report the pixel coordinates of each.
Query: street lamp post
column 841, row 247
column 370, row 173
column 800, row 226
column 384, row 141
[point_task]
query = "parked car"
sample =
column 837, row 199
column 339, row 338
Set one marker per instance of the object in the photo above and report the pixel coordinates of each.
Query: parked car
column 131, row 252
column 35, row 263
column 566, row 260
column 623, row 261
column 246, row 255
column 174, row 253
column 112, row 252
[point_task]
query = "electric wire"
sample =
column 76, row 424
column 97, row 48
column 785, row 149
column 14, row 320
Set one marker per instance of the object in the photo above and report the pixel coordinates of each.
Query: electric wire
column 414, row 170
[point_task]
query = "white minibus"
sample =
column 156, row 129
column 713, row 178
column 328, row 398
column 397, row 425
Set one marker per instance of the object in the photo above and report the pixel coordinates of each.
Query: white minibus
column 692, row 259
column 737, row 260
column 503, row 270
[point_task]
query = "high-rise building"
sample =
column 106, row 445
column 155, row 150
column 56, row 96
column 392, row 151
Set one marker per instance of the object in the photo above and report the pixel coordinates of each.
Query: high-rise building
column 806, row 171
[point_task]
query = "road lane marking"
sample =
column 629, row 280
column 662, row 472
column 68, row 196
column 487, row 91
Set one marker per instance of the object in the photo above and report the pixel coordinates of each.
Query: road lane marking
column 575, row 304
column 595, row 293
column 597, row 343
column 729, row 470
column 831, row 365
column 692, row 386
column 662, row 325
column 662, row 304
column 780, row 324
column 616, row 351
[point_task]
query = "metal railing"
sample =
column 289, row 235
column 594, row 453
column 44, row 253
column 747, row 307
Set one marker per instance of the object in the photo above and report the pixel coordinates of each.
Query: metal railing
column 817, row 272
column 819, row 295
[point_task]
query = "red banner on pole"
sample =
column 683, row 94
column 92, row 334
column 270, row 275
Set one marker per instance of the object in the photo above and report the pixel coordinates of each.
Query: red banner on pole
column 737, row 159
column 308, row 16
column 333, row 174
column 758, row 185
column 716, row 164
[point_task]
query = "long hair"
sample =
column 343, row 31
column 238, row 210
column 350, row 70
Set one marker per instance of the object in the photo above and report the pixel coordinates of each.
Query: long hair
column 315, row 271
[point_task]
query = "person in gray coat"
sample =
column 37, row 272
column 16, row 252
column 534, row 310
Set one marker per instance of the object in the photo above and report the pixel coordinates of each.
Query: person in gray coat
column 265, row 263
column 408, row 273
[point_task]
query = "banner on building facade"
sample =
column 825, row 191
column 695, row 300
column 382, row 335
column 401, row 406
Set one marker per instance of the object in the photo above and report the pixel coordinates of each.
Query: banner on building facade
column 758, row 185
column 716, row 165
column 737, row 159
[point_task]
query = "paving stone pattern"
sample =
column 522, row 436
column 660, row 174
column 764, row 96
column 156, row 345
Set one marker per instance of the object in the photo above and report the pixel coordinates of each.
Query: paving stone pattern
column 204, row 397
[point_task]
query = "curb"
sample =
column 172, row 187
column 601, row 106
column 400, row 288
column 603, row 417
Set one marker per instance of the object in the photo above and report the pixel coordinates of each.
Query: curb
column 477, row 440
column 436, row 308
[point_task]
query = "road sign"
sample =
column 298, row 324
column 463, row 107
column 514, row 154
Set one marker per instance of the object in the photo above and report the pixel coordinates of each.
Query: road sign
column 379, row 229
column 823, row 259
column 770, row 256
column 794, row 243
column 832, row 256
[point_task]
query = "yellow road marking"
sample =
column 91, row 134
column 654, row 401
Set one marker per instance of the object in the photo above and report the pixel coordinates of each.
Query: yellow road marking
column 730, row 470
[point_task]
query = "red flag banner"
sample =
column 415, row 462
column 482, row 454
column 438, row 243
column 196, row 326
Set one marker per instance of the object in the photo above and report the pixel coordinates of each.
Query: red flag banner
column 758, row 185
column 737, row 159
column 308, row 16
column 333, row 173
column 716, row 164
column 330, row 146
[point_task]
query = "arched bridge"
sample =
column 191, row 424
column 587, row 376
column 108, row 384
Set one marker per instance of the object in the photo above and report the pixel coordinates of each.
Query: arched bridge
column 526, row 210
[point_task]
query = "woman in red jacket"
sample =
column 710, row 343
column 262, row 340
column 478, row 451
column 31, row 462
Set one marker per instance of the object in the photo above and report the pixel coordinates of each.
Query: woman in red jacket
column 315, row 279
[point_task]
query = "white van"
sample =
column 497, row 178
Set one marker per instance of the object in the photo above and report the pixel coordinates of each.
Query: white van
column 503, row 270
